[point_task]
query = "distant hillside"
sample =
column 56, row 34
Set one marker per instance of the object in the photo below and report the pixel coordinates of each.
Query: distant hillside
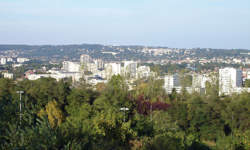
column 73, row 52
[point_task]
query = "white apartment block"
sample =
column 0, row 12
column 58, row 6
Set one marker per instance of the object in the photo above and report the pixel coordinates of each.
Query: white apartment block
column 99, row 63
column 246, row 74
column 130, row 68
column 22, row 60
column 9, row 59
column 16, row 65
column 92, row 67
column 69, row 66
column 37, row 76
column 112, row 69
column 85, row 60
column 199, row 80
column 170, row 82
column 3, row 61
column 8, row 75
column 229, row 80
column 57, row 75
column 143, row 72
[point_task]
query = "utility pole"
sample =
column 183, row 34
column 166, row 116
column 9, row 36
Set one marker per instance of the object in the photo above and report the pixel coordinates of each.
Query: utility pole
column 20, row 104
column 124, row 109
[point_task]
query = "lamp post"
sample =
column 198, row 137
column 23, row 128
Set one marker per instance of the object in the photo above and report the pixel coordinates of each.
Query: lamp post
column 20, row 104
column 124, row 109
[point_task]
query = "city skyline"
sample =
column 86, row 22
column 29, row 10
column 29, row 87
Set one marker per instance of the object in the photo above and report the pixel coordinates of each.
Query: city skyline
column 180, row 24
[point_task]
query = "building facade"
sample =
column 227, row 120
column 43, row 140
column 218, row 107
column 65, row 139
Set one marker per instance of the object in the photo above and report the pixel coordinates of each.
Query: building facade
column 229, row 80
column 171, row 82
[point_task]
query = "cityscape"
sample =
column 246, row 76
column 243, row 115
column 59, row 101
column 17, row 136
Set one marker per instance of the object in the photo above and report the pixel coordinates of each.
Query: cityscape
column 125, row 75
column 232, row 73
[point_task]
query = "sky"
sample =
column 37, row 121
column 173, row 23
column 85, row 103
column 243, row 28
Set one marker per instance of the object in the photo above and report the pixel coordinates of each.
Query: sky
column 172, row 23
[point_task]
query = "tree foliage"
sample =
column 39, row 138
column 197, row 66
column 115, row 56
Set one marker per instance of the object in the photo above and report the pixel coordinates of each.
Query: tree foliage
column 56, row 115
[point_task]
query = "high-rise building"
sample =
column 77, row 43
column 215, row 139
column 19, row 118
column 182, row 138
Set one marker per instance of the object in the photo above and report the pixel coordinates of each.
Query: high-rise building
column 130, row 68
column 99, row 63
column 229, row 80
column 112, row 69
column 170, row 82
column 85, row 60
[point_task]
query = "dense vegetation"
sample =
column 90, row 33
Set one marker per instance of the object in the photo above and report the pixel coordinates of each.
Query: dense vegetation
column 57, row 115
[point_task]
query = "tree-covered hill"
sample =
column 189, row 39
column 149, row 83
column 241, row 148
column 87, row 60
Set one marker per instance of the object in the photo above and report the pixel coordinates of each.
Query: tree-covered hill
column 121, row 52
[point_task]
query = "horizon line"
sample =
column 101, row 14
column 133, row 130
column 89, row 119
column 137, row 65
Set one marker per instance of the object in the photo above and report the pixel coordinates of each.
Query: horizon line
column 139, row 45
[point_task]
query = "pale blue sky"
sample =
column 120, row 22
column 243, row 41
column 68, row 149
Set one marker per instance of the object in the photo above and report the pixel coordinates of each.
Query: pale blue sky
column 173, row 23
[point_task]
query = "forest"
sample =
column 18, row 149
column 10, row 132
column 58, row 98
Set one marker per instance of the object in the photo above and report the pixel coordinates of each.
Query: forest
column 51, row 115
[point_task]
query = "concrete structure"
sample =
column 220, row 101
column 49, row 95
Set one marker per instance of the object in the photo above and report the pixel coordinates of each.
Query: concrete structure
column 241, row 89
column 85, row 60
column 69, row 66
column 229, row 80
column 37, row 76
column 75, row 76
column 99, row 63
column 246, row 73
column 8, row 75
column 112, row 69
column 3, row 61
column 170, row 82
column 17, row 65
column 9, row 59
column 199, row 81
column 130, row 68
column 92, row 67
column 22, row 60
column 94, row 80
column 143, row 72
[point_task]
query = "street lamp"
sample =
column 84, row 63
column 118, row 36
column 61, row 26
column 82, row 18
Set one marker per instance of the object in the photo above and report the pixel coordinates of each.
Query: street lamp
column 124, row 109
column 20, row 104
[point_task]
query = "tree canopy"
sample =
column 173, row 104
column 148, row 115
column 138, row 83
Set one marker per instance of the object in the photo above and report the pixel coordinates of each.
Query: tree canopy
column 56, row 115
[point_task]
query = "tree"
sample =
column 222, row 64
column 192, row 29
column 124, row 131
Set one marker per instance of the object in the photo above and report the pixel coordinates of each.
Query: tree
column 247, row 83
column 8, row 106
column 54, row 113
column 186, row 80
column 115, row 95
column 163, row 142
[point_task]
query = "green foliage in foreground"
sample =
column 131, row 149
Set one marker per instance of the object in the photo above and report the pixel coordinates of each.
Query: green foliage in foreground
column 247, row 83
column 57, row 116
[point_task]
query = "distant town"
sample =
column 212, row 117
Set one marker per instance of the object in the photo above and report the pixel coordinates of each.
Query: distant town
column 192, row 69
